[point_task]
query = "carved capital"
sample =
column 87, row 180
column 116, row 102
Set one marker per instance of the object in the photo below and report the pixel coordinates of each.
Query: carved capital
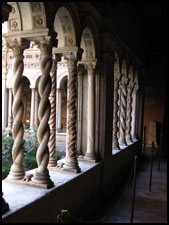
column 18, row 45
column 117, row 76
column 124, row 81
column 46, row 43
column 80, row 69
column 73, row 56
column 57, row 57
column 90, row 67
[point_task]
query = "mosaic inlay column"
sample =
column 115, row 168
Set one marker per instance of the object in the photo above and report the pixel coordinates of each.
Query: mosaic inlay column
column 52, row 119
column 71, row 162
column 90, row 153
column 134, row 111
column 41, row 175
column 116, row 111
column 129, row 112
column 123, row 108
column 17, row 170
column 32, row 107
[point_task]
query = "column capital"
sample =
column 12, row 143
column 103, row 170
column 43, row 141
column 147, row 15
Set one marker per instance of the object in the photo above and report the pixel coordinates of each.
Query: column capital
column 80, row 69
column 124, row 80
column 57, row 57
column 18, row 45
column 117, row 76
column 46, row 43
column 90, row 67
column 73, row 56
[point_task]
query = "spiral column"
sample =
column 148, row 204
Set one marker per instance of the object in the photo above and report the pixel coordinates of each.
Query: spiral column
column 134, row 111
column 18, row 46
column 52, row 119
column 129, row 112
column 123, row 87
column 41, row 175
column 116, row 111
column 71, row 162
column 90, row 153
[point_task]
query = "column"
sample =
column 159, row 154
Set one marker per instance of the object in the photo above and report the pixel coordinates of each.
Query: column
column 52, row 119
column 80, row 109
column 134, row 111
column 17, row 46
column 97, row 113
column 41, row 175
column 4, row 102
column 90, row 152
column 129, row 112
column 59, row 110
column 32, row 108
column 123, row 108
column 36, row 108
column 10, row 118
column 71, row 162
column 116, row 111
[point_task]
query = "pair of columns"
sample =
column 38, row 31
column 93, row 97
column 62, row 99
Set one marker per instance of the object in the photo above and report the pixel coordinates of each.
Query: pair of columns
column 124, row 114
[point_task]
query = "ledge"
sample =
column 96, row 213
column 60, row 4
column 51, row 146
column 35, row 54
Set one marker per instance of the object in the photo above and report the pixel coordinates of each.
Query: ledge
column 122, row 148
column 22, row 197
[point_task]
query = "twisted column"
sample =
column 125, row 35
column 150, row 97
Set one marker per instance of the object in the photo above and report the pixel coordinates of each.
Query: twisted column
column 123, row 87
column 90, row 153
column 129, row 112
column 71, row 159
column 41, row 175
column 10, row 109
column 134, row 111
column 116, row 111
column 52, row 119
column 17, row 170
column 59, row 110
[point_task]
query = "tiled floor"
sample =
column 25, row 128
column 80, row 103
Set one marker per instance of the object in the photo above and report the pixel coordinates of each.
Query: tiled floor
column 150, row 207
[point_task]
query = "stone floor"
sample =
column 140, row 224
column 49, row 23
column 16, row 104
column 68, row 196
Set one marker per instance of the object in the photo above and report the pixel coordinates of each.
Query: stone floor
column 150, row 207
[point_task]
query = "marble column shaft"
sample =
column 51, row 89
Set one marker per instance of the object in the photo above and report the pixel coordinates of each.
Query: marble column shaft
column 17, row 46
column 116, row 111
column 71, row 162
column 10, row 117
column 123, row 108
column 129, row 112
column 134, row 111
column 90, row 153
column 59, row 110
column 52, row 119
column 41, row 174
column 32, row 108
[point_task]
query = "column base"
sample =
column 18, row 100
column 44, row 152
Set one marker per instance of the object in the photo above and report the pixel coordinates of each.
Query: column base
column 16, row 173
column 52, row 163
column 89, row 157
column 71, row 165
column 42, row 179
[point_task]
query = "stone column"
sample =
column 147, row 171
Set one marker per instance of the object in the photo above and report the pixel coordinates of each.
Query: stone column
column 4, row 102
column 17, row 170
column 90, row 153
column 36, row 107
column 59, row 110
column 97, row 113
column 52, row 119
column 116, row 111
column 32, row 116
column 134, row 111
column 71, row 162
column 123, row 87
column 41, row 175
column 129, row 112
column 10, row 118
column 80, row 109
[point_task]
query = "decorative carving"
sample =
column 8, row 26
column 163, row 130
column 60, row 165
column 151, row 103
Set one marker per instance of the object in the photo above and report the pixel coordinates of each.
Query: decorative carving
column 38, row 21
column 35, row 6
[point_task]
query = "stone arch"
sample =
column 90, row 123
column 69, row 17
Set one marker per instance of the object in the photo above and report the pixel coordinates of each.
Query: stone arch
column 87, row 44
column 124, row 67
column 116, row 63
column 60, row 78
column 63, row 25
column 89, row 26
column 34, row 18
column 130, row 73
